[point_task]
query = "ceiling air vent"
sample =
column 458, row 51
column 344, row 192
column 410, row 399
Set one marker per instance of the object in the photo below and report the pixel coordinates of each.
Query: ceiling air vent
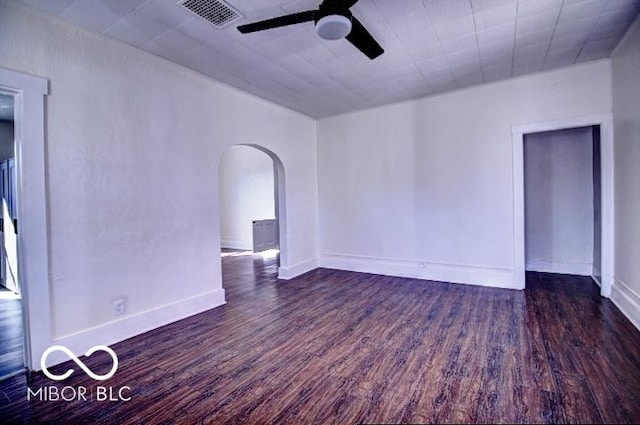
column 218, row 12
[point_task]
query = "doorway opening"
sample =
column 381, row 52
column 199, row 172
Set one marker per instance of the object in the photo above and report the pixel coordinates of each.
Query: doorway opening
column 563, row 202
column 12, row 354
column 252, row 208
column 28, row 94
column 563, row 199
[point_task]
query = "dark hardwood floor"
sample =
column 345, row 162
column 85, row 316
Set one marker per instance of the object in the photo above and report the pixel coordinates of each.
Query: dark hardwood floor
column 11, row 357
column 342, row 347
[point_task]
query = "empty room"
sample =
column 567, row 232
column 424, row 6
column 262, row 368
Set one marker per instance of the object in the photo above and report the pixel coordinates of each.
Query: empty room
column 319, row 211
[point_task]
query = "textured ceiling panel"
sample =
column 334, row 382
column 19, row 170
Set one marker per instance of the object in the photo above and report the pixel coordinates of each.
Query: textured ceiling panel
column 431, row 46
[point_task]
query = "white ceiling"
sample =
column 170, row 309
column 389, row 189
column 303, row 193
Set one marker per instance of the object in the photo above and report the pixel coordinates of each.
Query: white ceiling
column 431, row 46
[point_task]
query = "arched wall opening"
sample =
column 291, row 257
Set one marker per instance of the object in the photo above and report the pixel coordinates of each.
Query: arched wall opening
column 242, row 168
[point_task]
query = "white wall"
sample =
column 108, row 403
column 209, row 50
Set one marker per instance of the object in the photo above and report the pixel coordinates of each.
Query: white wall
column 559, row 201
column 6, row 140
column 424, row 188
column 246, row 194
column 133, row 148
column 626, row 115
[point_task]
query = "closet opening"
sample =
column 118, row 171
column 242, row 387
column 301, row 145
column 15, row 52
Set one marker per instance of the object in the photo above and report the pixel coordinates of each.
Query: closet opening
column 563, row 202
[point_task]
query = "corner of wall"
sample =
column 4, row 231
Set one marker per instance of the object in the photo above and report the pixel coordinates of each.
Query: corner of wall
column 289, row 272
column 627, row 301
column 626, row 36
column 626, row 122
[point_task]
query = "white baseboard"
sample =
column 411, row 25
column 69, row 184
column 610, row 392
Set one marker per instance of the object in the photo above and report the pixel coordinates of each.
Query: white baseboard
column 627, row 301
column 579, row 269
column 290, row 272
column 471, row 275
column 231, row 243
column 135, row 324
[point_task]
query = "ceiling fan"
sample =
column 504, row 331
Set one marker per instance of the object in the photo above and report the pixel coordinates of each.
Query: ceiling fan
column 333, row 21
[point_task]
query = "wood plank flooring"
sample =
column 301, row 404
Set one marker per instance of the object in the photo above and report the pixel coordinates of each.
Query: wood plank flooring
column 341, row 347
column 11, row 339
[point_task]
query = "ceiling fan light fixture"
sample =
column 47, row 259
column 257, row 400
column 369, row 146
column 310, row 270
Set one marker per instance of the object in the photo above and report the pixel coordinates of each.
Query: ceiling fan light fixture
column 333, row 27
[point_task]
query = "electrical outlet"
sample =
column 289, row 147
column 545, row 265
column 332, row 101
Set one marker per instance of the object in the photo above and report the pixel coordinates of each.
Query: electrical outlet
column 119, row 306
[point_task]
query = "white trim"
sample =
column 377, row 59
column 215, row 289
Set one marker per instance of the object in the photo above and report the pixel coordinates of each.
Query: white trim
column 136, row 324
column 289, row 272
column 627, row 301
column 519, row 259
column 579, row 269
column 607, row 206
column 453, row 273
column 561, row 124
column 18, row 81
column 233, row 243
column 605, row 121
column 33, row 266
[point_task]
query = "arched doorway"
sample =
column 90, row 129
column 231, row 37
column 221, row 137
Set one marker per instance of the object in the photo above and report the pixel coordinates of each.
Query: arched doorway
column 252, row 210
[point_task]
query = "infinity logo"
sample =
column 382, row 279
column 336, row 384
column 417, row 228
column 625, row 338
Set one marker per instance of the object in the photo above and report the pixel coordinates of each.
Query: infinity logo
column 43, row 361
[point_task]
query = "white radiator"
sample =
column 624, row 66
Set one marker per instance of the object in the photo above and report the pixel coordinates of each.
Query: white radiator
column 265, row 235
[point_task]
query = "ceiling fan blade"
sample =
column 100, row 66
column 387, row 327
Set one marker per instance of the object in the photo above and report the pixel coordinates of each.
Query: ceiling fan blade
column 280, row 21
column 360, row 37
column 340, row 3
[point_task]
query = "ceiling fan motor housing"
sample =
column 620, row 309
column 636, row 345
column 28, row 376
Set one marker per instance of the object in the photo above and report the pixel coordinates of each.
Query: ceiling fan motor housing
column 333, row 23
